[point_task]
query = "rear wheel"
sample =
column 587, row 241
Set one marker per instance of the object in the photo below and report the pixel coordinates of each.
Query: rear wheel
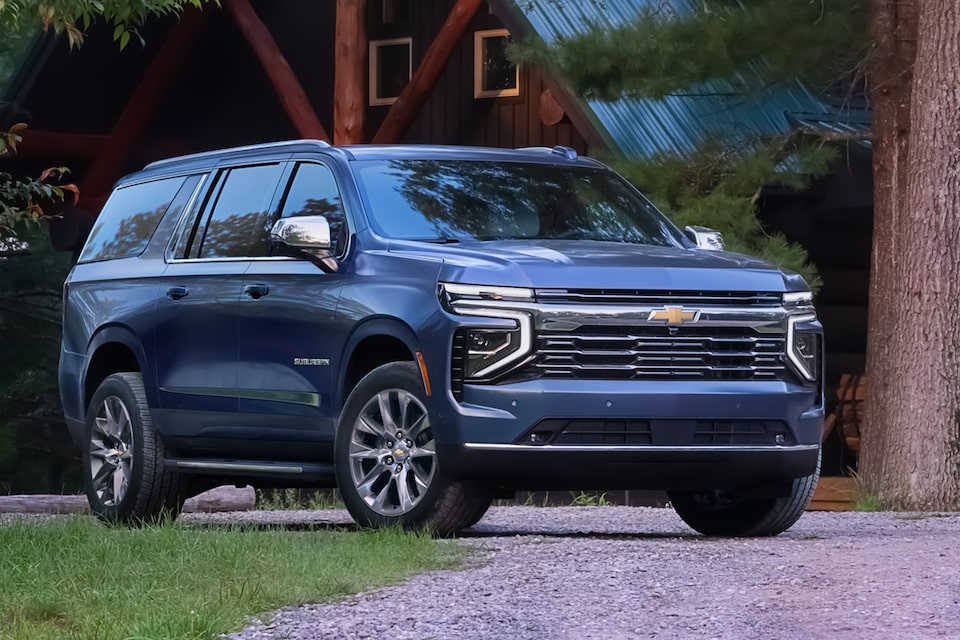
column 725, row 513
column 125, row 478
column 387, row 465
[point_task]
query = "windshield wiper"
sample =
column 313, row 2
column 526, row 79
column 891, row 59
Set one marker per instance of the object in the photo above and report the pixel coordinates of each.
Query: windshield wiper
column 442, row 240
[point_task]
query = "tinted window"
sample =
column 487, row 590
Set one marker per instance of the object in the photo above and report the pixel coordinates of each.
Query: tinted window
column 478, row 200
column 314, row 192
column 129, row 219
column 239, row 213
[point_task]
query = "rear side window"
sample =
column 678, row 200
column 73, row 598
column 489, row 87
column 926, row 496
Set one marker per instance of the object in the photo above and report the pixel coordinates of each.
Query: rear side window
column 129, row 219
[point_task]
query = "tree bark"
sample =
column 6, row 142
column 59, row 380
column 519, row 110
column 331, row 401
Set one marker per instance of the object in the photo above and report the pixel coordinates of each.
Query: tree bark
column 910, row 456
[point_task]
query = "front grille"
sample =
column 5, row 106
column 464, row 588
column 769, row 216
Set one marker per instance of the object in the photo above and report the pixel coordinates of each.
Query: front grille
column 659, row 353
column 666, row 432
column 660, row 298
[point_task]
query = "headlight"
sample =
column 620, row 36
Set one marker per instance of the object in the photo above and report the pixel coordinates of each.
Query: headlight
column 489, row 350
column 803, row 348
column 798, row 299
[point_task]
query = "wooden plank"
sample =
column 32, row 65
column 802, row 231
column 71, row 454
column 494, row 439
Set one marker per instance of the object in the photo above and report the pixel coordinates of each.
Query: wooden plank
column 349, row 99
column 425, row 78
column 147, row 97
column 834, row 494
column 292, row 96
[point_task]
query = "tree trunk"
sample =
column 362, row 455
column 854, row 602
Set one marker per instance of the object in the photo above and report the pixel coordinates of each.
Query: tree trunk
column 910, row 456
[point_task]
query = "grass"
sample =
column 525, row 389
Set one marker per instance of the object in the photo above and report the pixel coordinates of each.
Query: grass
column 76, row 578
column 294, row 500
column 868, row 502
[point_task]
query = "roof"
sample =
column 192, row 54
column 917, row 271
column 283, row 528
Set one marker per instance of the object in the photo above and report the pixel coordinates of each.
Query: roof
column 285, row 149
column 676, row 124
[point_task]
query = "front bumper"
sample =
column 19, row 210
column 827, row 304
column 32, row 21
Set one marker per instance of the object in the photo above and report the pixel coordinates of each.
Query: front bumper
column 486, row 437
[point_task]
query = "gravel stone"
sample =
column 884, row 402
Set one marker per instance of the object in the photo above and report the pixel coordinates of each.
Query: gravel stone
column 624, row 573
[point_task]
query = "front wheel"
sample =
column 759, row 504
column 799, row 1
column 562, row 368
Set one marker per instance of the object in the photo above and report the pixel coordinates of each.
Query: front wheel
column 725, row 513
column 387, row 465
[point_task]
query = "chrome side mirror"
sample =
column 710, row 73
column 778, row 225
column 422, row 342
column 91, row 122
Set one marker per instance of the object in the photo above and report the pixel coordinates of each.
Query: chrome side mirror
column 705, row 238
column 306, row 237
column 305, row 232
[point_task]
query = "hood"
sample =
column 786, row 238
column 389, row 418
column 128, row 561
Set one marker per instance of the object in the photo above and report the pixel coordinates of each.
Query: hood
column 579, row 264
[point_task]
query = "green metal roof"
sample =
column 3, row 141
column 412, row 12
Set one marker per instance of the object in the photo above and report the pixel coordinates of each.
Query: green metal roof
column 680, row 123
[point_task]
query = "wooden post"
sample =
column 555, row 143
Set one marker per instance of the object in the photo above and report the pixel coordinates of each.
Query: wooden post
column 144, row 102
column 292, row 96
column 425, row 78
column 349, row 99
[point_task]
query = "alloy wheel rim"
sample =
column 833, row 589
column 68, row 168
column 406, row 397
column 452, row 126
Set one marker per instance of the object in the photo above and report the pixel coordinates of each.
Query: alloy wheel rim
column 393, row 457
column 111, row 451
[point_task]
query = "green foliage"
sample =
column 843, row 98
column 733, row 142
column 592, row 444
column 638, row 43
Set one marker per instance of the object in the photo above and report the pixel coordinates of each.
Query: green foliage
column 663, row 52
column 35, row 451
column 593, row 499
column 740, row 48
column 718, row 188
column 298, row 499
column 75, row 578
column 72, row 16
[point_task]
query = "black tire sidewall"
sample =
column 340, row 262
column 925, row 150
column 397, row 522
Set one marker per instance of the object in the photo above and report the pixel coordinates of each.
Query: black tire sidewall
column 397, row 375
column 115, row 385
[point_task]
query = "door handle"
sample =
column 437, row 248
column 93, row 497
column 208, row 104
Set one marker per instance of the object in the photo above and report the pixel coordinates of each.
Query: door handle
column 177, row 292
column 256, row 291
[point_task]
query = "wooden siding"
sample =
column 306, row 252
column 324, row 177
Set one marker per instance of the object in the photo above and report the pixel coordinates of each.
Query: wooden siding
column 452, row 115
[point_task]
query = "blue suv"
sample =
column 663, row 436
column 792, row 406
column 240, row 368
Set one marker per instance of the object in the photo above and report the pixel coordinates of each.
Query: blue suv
column 428, row 328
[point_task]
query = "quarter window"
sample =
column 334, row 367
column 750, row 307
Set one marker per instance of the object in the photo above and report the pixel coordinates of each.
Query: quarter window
column 129, row 218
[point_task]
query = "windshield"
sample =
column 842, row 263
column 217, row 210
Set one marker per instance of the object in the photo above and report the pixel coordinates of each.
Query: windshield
column 451, row 200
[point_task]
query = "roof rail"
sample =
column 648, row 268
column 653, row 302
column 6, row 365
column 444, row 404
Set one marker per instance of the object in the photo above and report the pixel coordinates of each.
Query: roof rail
column 232, row 150
column 567, row 152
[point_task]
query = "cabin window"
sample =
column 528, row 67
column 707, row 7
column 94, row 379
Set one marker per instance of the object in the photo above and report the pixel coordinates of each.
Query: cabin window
column 391, row 63
column 494, row 74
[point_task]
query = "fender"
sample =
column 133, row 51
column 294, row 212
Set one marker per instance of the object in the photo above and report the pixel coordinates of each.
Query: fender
column 376, row 326
column 121, row 334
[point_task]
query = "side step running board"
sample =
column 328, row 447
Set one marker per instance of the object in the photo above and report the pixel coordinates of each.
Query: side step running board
column 253, row 468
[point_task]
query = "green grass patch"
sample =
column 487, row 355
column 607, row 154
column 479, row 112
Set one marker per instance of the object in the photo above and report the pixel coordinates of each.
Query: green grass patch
column 868, row 503
column 76, row 578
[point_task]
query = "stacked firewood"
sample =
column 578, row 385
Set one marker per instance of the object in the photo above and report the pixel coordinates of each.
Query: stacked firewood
column 848, row 416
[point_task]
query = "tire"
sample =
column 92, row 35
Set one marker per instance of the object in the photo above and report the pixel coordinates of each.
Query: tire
column 124, row 474
column 387, row 481
column 723, row 513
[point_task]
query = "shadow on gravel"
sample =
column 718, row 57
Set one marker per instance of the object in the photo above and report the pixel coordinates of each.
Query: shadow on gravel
column 593, row 535
column 467, row 534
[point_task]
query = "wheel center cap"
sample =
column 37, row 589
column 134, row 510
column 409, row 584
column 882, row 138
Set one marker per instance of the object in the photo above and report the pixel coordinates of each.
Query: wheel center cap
column 400, row 452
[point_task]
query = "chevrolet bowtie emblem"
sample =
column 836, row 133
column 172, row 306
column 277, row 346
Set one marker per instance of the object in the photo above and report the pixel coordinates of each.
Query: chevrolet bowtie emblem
column 673, row 315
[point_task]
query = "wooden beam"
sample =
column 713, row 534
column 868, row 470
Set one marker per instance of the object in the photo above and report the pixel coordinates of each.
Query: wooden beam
column 57, row 147
column 349, row 99
column 425, row 78
column 157, row 80
column 292, row 96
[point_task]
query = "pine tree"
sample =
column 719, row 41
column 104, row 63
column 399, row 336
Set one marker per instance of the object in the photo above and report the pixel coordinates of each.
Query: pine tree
column 664, row 52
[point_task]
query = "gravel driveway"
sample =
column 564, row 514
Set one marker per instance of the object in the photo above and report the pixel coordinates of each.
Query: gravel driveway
column 629, row 572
